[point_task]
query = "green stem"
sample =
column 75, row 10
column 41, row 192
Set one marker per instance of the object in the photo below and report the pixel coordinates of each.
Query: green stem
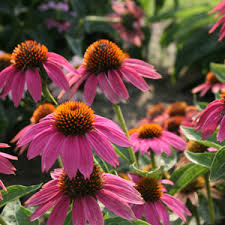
column 123, row 125
column 152, row 156
column 48, row 94
column 60, row 162
column 102, row 19
column 2, row 221
column 210, row 200
column 196, row 214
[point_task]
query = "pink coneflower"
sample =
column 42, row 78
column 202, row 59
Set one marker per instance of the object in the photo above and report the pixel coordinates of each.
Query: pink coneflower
column 40, row 112
column 153, row 136
column 155, row 196
column 131, row 21
column 71, row 131
column 107, row 65
column 61, row 26
column 112, row 191
column 221, row 10
column 5, row 166
column 211, row 117
column 211, row 82
column 27, row 58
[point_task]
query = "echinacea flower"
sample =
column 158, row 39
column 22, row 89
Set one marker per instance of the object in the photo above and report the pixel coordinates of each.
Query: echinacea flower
column 112, row 191
column 27, row 58
column 153, row 136
column 221, row 10
column 5, row 166
column 155, row 196
column 71, row 131
column 131, row 21
column 212, row 116
column 107, row 65
column 211, row 82
column 40, row 112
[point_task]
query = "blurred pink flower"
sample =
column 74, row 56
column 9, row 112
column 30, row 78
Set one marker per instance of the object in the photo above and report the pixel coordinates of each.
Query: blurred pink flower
column 211, row 82
column 71, row 131
column 5, row 166
column 153, row 136
column 131, row 21
column 112, row 191
column 27, row 58
column 107, row 65
column 221, row 10
column 155, row 196
column 61, row 26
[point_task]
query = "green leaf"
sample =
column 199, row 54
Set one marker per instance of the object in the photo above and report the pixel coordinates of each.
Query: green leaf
column 218, row 70
column 218, row 165
column 17, row 191
column 157, row 173
column 211, row 141
column 120, row 221
column 185, row 176
column 204, row 159
column 167, row 161
column 13, row 213
column 200, row 105
column 69, row 220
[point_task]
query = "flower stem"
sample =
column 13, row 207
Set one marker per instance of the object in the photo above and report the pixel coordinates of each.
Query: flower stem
column 210, row 200
column 2, row 221
column 152, row 156
column 196, row 214
column 48, row 94
column 102, row 19
column 123, row 125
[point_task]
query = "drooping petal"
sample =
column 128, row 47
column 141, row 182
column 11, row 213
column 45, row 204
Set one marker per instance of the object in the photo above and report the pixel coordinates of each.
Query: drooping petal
column 33, row 81
column 90, row 88
column 4, row 74
column 221, row 132
column 151, row 214
column 174, row 140
column 78, row 213
column 163, row 213
column 138, row 211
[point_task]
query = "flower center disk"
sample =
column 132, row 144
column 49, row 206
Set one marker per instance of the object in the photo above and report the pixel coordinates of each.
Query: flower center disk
column 150, row 189
column 103, row 55
column 78, row 186
column 74, row 118
column 29, row 54
column 211, row 78
column 150, row 131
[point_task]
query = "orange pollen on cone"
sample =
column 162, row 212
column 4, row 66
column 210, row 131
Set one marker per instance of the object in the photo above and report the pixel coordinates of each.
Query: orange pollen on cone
column 150, row 130
column 211, row 78
column 78, row 186
column 177, row 109
column 173, row 123
column 150, row 189
column 41, row 111
column 155, row 110
column 29, row 54
column 103, row 55
column 5, row 61
column 74, row 118
column 131, row 131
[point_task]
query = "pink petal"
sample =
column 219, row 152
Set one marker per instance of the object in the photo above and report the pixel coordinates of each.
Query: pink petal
column 20, row 133
column 34, row 83
column 5, row 155
column 92, row 211
column 163, row 213
column 113, row 203
column 18, row 87
column 56, row 75
column 5, row 74
column 221, row 132
column 78, row 213
column 151, row 214
column 117, row 84
column 102, row 147
column 163, row 181
column 106, row 88
column 139, row 62
column 3, row 145
column 90, row 89
column 138, row 211
column 3, row 186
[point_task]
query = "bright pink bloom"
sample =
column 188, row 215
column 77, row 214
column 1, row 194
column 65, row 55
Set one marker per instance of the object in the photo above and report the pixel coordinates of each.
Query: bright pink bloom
column 107, row 65
column 210, row 118
column 211, row 82
column 112, row 191
column 27, row 57
column 71, row 131
column 155, row 195
column 153, row 136
column 5, row 166
column 131, row 19
column 221, row 10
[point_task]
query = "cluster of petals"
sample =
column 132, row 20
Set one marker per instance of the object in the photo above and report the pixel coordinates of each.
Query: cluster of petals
column 158, row 144
column 133, row 34
column 15, row 79
column 75, row 150
column 5, row 166
column 116, row 194
column 220, row 8
column 212, row 116
column 155, row 211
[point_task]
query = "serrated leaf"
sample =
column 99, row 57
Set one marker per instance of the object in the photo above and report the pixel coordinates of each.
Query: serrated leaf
column 17, row 191
column 218, row 70
column 189, row 174
column 120, row 221
column 204, row 159
column 218, row 165
column 157, row 173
